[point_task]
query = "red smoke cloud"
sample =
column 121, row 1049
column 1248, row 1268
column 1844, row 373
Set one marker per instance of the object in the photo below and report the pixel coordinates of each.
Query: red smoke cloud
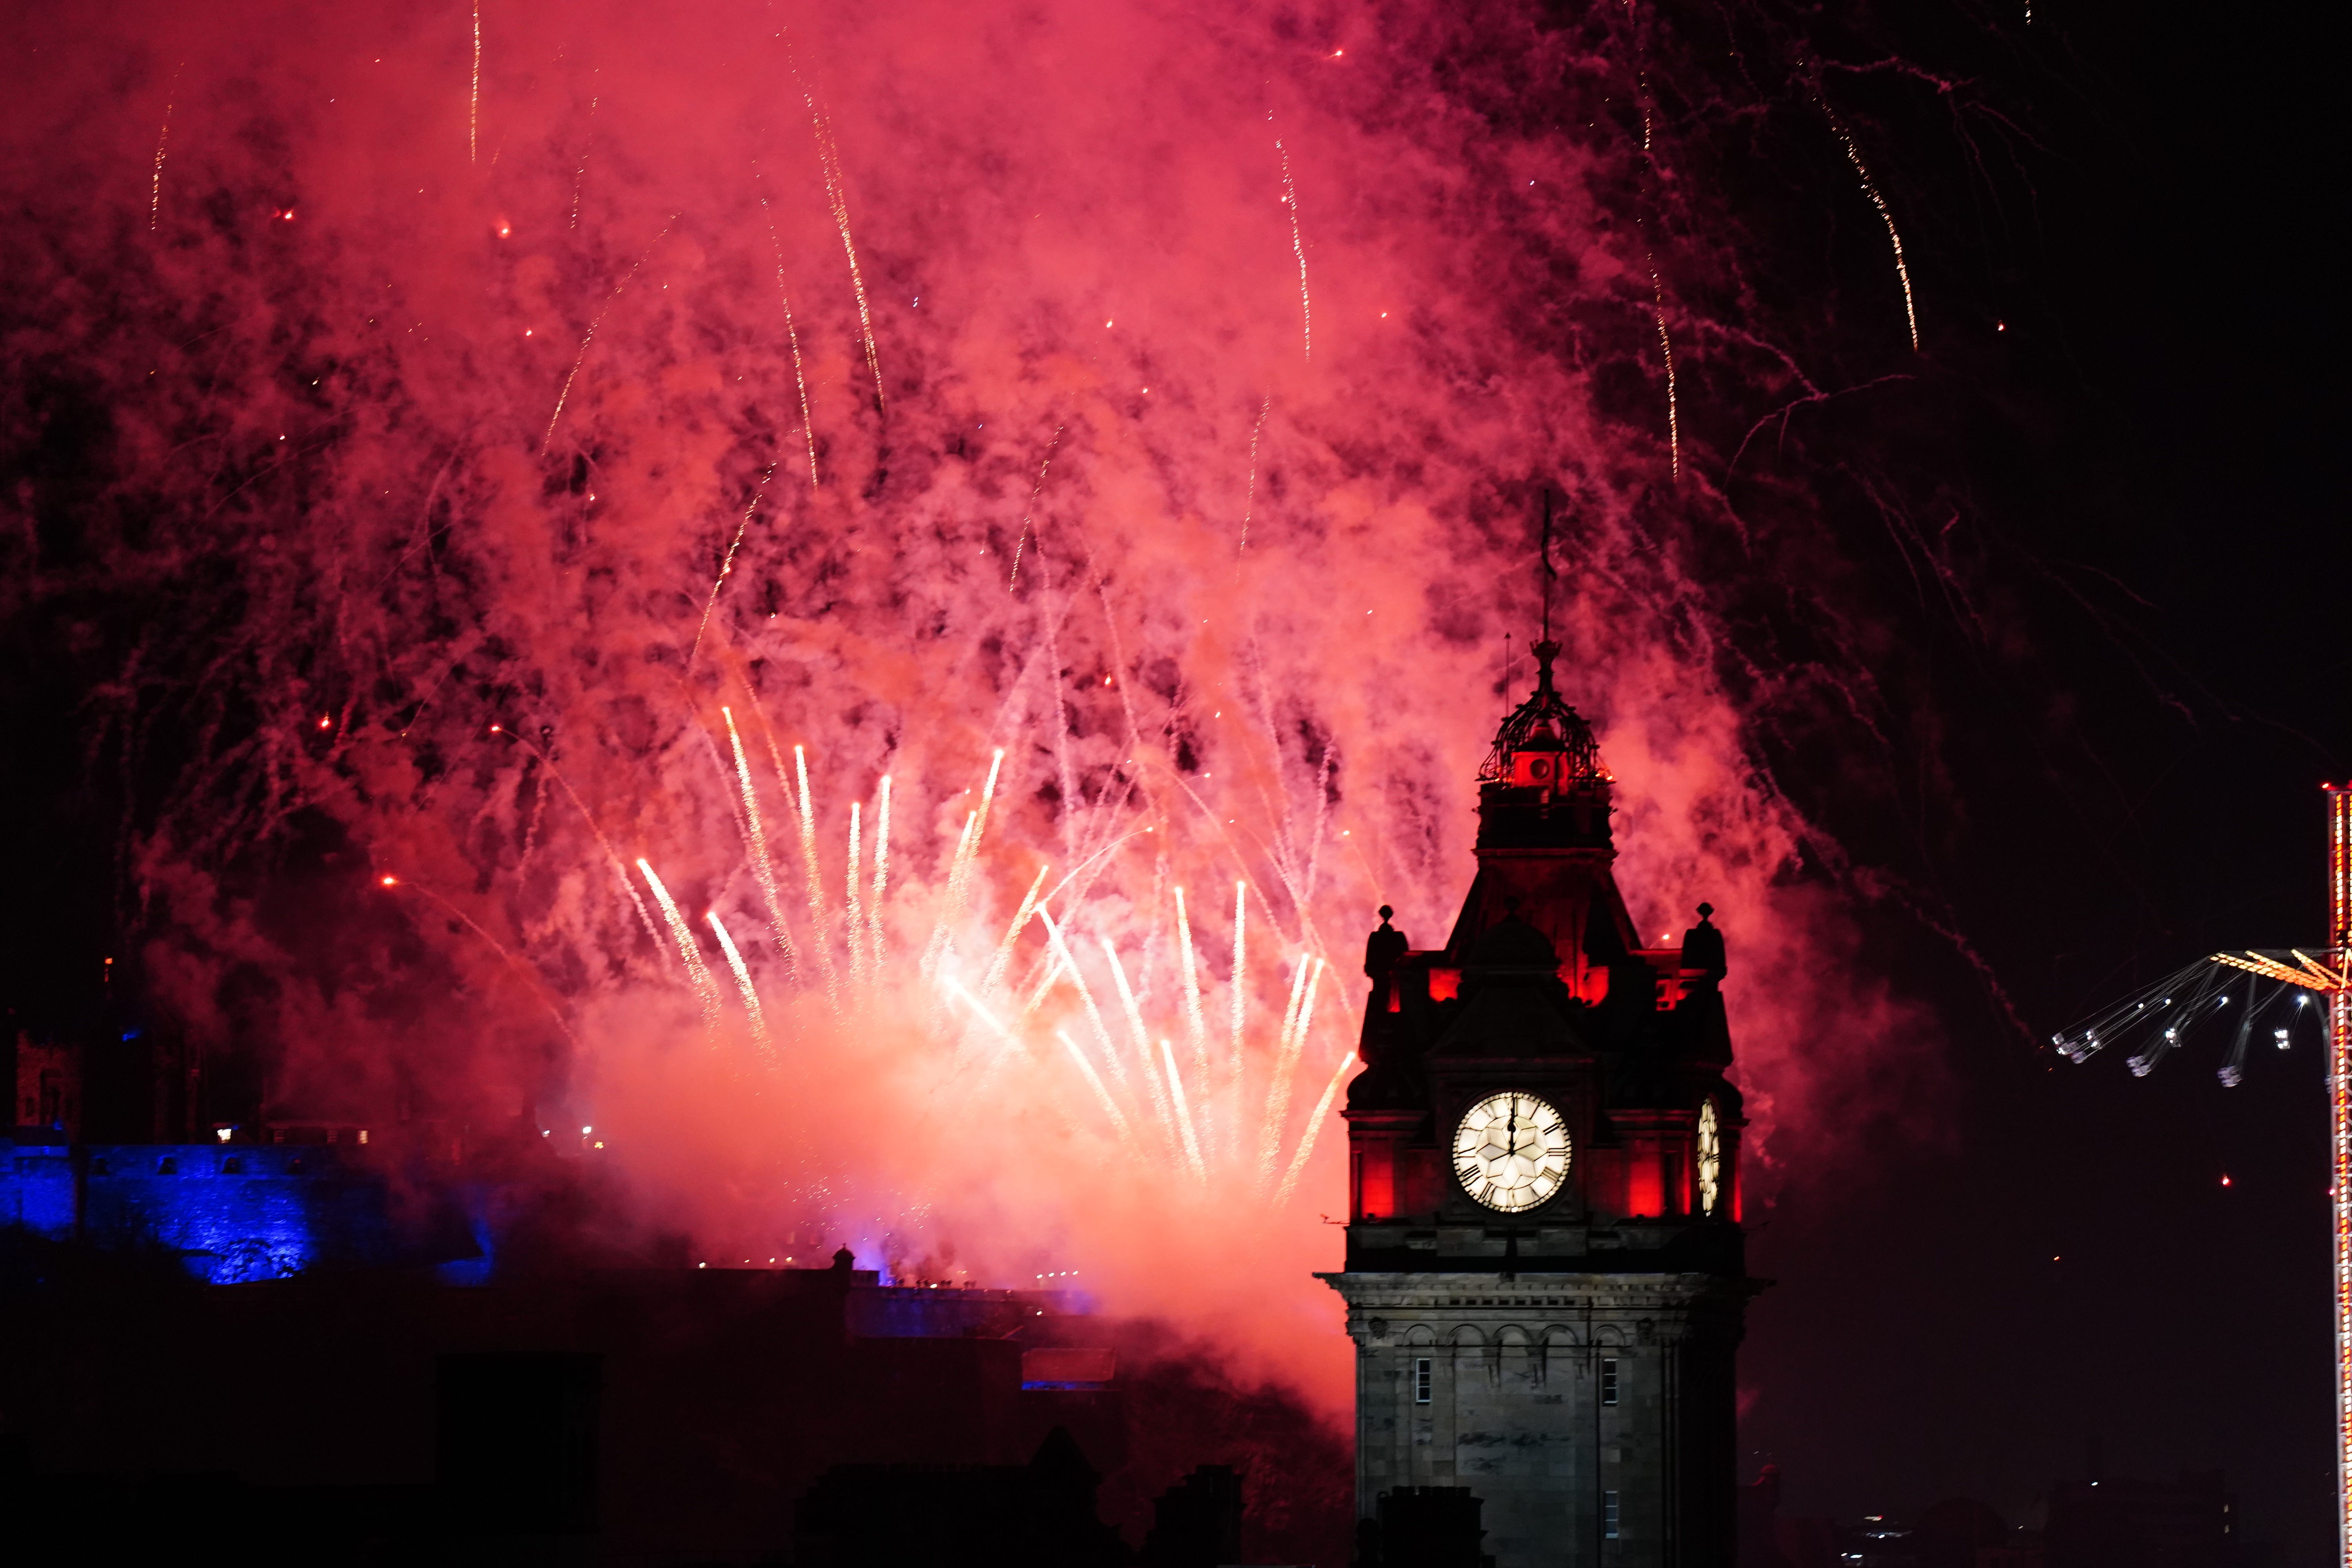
column 1161, row 397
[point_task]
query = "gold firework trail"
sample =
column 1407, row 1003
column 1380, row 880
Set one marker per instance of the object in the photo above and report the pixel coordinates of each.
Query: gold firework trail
column 792, row 334
column 155, row 196
column 727, row 563
column 1886, row 216
column 835, row 192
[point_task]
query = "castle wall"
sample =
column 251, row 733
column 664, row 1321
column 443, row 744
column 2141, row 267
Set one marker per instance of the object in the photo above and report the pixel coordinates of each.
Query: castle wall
column 235, row 1212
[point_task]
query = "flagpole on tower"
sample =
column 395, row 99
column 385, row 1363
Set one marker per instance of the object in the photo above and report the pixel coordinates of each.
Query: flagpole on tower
column 1545, row 558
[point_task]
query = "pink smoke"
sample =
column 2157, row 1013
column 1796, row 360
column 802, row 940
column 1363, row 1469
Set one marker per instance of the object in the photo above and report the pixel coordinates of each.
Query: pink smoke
column 1218, row 359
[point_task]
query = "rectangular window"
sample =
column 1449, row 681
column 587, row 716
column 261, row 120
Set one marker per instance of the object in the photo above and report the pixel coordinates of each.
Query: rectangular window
column 1609, row 1379
column 1376, row 1196
column 1420, row 1381
column 1608, row 1516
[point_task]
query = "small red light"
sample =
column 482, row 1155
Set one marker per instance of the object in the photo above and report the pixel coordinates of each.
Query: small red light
column 2225, row 1181
column 390, row 881
column 496, row 729
column 325, row 721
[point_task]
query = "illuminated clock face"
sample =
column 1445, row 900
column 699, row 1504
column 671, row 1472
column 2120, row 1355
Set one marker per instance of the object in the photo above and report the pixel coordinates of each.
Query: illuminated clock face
column 1710, row 1158
column 1511, row 1151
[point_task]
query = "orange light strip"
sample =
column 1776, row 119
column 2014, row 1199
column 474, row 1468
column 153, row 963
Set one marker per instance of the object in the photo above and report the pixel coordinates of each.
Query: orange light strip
column 2329, row 979
column 2339, row 1101
column 2271, row 969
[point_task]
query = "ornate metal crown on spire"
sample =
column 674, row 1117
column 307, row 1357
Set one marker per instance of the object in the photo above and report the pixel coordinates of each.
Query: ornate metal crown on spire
column 1544, row 742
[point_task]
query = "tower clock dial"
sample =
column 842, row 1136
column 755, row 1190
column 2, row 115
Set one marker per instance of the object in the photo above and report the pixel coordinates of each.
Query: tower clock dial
column 1511, row 1152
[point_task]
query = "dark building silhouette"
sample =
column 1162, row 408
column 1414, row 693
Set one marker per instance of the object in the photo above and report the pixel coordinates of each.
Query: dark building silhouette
column 583, row 1407
column 1759, row 1520
column 1545, row 1274
column 1040, row 1514
column 2117, row 1521
column 1197, row 1524
column 515, row 1440
column 1958, row 1532
column 49, row 1084
column 1422, row 1527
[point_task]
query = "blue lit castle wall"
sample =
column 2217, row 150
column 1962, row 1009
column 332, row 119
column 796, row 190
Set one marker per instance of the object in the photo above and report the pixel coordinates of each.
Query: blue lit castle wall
column 234, row 1213
column 36, row 1191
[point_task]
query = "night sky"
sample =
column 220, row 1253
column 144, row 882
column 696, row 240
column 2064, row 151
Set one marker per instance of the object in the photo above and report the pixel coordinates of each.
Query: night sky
column 2129, row 779
column 2106, row 670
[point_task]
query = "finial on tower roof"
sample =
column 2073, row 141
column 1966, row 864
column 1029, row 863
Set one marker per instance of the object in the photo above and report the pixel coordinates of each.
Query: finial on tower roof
column 1548, row 732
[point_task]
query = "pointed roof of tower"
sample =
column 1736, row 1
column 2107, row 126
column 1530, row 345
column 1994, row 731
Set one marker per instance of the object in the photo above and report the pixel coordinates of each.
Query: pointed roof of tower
column 1544, row 843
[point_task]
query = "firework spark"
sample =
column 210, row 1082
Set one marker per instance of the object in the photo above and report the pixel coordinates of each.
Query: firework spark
column 579, row 173
column 1028, row 518
column 1103, row 1097
column 1069, row 966
column 856, row 910
column 727, row 562
column 1306, row 1149
column 1249, row 502
column 474, row 101
column 1286, row 1065
column 1297, row 248
column 743, row 984
column 1161, row 1105
column 1667, row 352
column 962, row 891
column 792, row 334
column 881, row 874
column 612, row 855
column 1186, row 1121
column 589, row 338
column 815, row 880
column 1183, row 1114
column 1196, row 1023
column 941, row 931
column 1003, row 959
column 1240, row 977
column 706, row 989
column 1886, row 216
column 529, row 976
column 155, row 192
column 836, row 196
column 764, row 869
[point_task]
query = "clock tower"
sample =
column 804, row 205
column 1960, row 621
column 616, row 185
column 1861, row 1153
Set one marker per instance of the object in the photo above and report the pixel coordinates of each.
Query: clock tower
column 1544, row 1271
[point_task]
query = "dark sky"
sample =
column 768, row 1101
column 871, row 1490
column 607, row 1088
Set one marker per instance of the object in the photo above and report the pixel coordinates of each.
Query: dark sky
column 2055, row 1260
